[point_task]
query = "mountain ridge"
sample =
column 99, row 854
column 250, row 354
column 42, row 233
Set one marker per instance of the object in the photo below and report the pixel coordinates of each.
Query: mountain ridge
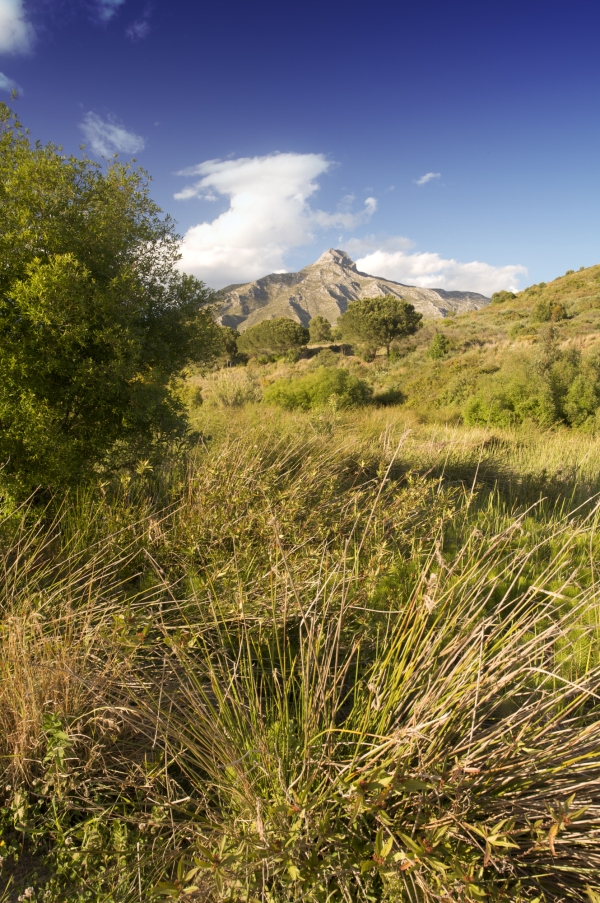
column 325, row 288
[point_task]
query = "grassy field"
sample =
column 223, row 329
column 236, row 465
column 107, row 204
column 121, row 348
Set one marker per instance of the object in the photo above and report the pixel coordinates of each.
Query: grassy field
column 331, row 655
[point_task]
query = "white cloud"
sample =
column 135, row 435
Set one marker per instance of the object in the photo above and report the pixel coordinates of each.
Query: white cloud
column 393, row 260
column 427, row 178
column 7, row 84
column 108, row 8
column 16, row 34
column 268, row 215
column 108, row 136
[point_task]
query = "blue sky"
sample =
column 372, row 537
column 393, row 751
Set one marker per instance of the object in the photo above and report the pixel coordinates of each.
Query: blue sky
column 451, row 145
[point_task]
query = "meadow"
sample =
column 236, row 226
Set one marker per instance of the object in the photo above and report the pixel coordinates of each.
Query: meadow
column 326, row 655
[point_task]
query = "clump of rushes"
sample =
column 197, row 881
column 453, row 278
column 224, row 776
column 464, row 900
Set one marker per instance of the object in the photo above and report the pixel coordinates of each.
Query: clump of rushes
column 451, row 754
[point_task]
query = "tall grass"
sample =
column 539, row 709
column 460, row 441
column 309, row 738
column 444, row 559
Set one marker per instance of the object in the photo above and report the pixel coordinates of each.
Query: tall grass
column 307, row 664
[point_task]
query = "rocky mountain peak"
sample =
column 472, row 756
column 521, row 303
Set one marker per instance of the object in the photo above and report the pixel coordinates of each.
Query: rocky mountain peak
column 337, row 257
column 326, row 288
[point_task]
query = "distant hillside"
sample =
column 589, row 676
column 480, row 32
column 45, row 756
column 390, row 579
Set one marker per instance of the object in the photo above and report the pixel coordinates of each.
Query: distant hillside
column 326, row 288
column 530, row 357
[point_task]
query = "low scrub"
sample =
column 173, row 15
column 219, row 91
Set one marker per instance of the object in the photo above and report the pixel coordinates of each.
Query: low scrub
column 323, row 386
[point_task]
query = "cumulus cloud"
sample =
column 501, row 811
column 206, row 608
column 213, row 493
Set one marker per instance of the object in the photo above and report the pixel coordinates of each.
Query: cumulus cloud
column 108, row 136
column 7, row 84
column 428, row 177
column 16, row 33
column 268, row 215
column 394, row 260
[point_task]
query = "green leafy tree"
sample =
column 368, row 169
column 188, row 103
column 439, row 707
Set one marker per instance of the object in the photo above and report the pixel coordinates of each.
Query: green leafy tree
column 95, row 318
column 229, row 342
column 319, row 330
column 276, row 336
column 376, row 322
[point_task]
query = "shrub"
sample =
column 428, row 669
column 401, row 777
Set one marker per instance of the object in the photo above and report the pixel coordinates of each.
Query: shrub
column 319, row 330
column 323, row 386
column 439, row 346
column 509, row 398
column 325, row 358
column 235, row 387
column 546, row 311
column 501, row 297
column 276, row 336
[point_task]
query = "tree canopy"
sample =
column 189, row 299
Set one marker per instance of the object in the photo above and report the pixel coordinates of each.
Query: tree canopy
column 274, row 336
column 95, row 318
column 319, row 330
column 376, row 322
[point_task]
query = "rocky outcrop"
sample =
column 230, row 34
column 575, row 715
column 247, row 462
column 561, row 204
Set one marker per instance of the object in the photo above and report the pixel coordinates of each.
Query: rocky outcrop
column 326, row 288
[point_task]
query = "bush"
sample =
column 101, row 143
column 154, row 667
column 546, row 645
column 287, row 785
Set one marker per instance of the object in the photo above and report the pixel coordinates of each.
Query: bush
column 325, row 358
column 319, row 330
column 501, row 297
column 546, row 311
column 324, row 385
column 234, row 388
column 439, row 346
column 276, row 336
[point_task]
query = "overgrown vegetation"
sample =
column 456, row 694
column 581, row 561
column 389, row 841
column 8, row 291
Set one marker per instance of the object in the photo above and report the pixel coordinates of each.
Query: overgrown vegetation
column 95, row 319
column 322, row 660
column 336, row 638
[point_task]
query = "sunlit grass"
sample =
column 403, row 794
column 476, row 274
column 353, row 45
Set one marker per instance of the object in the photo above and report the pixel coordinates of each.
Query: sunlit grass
column 329, row 656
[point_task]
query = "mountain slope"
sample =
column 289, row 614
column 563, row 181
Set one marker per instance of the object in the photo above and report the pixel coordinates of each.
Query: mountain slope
column 326, row 288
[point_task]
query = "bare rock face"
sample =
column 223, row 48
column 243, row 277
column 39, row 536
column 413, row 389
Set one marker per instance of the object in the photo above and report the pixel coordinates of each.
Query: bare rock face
column 325, row 289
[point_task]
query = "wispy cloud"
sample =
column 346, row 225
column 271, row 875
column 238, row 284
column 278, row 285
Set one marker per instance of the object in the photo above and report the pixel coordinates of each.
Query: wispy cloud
column 108, row 136
column 427, row 178
column 268, row 215
column 140, row 28
column 7, row 84
column 16, row 33
column 108, row 8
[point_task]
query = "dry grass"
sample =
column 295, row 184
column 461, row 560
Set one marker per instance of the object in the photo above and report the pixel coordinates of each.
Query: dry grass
column 231, row 666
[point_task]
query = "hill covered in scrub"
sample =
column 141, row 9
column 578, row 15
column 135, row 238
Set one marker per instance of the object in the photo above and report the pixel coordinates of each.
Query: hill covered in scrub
column 532, row 357
column 325, row 288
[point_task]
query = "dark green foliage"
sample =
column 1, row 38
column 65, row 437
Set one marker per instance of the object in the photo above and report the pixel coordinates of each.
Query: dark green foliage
column 376, row 322
column 500, row 297
column 228, row 338
column 95, row 319
column 558, row 386
column 319, row 330
column 276, row 336
column 546, row 310
column 319, row 387
column 439, row 347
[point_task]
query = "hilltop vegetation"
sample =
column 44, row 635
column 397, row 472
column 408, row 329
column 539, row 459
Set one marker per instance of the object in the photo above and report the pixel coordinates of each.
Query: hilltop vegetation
column 531, row 358
column 297, row 623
